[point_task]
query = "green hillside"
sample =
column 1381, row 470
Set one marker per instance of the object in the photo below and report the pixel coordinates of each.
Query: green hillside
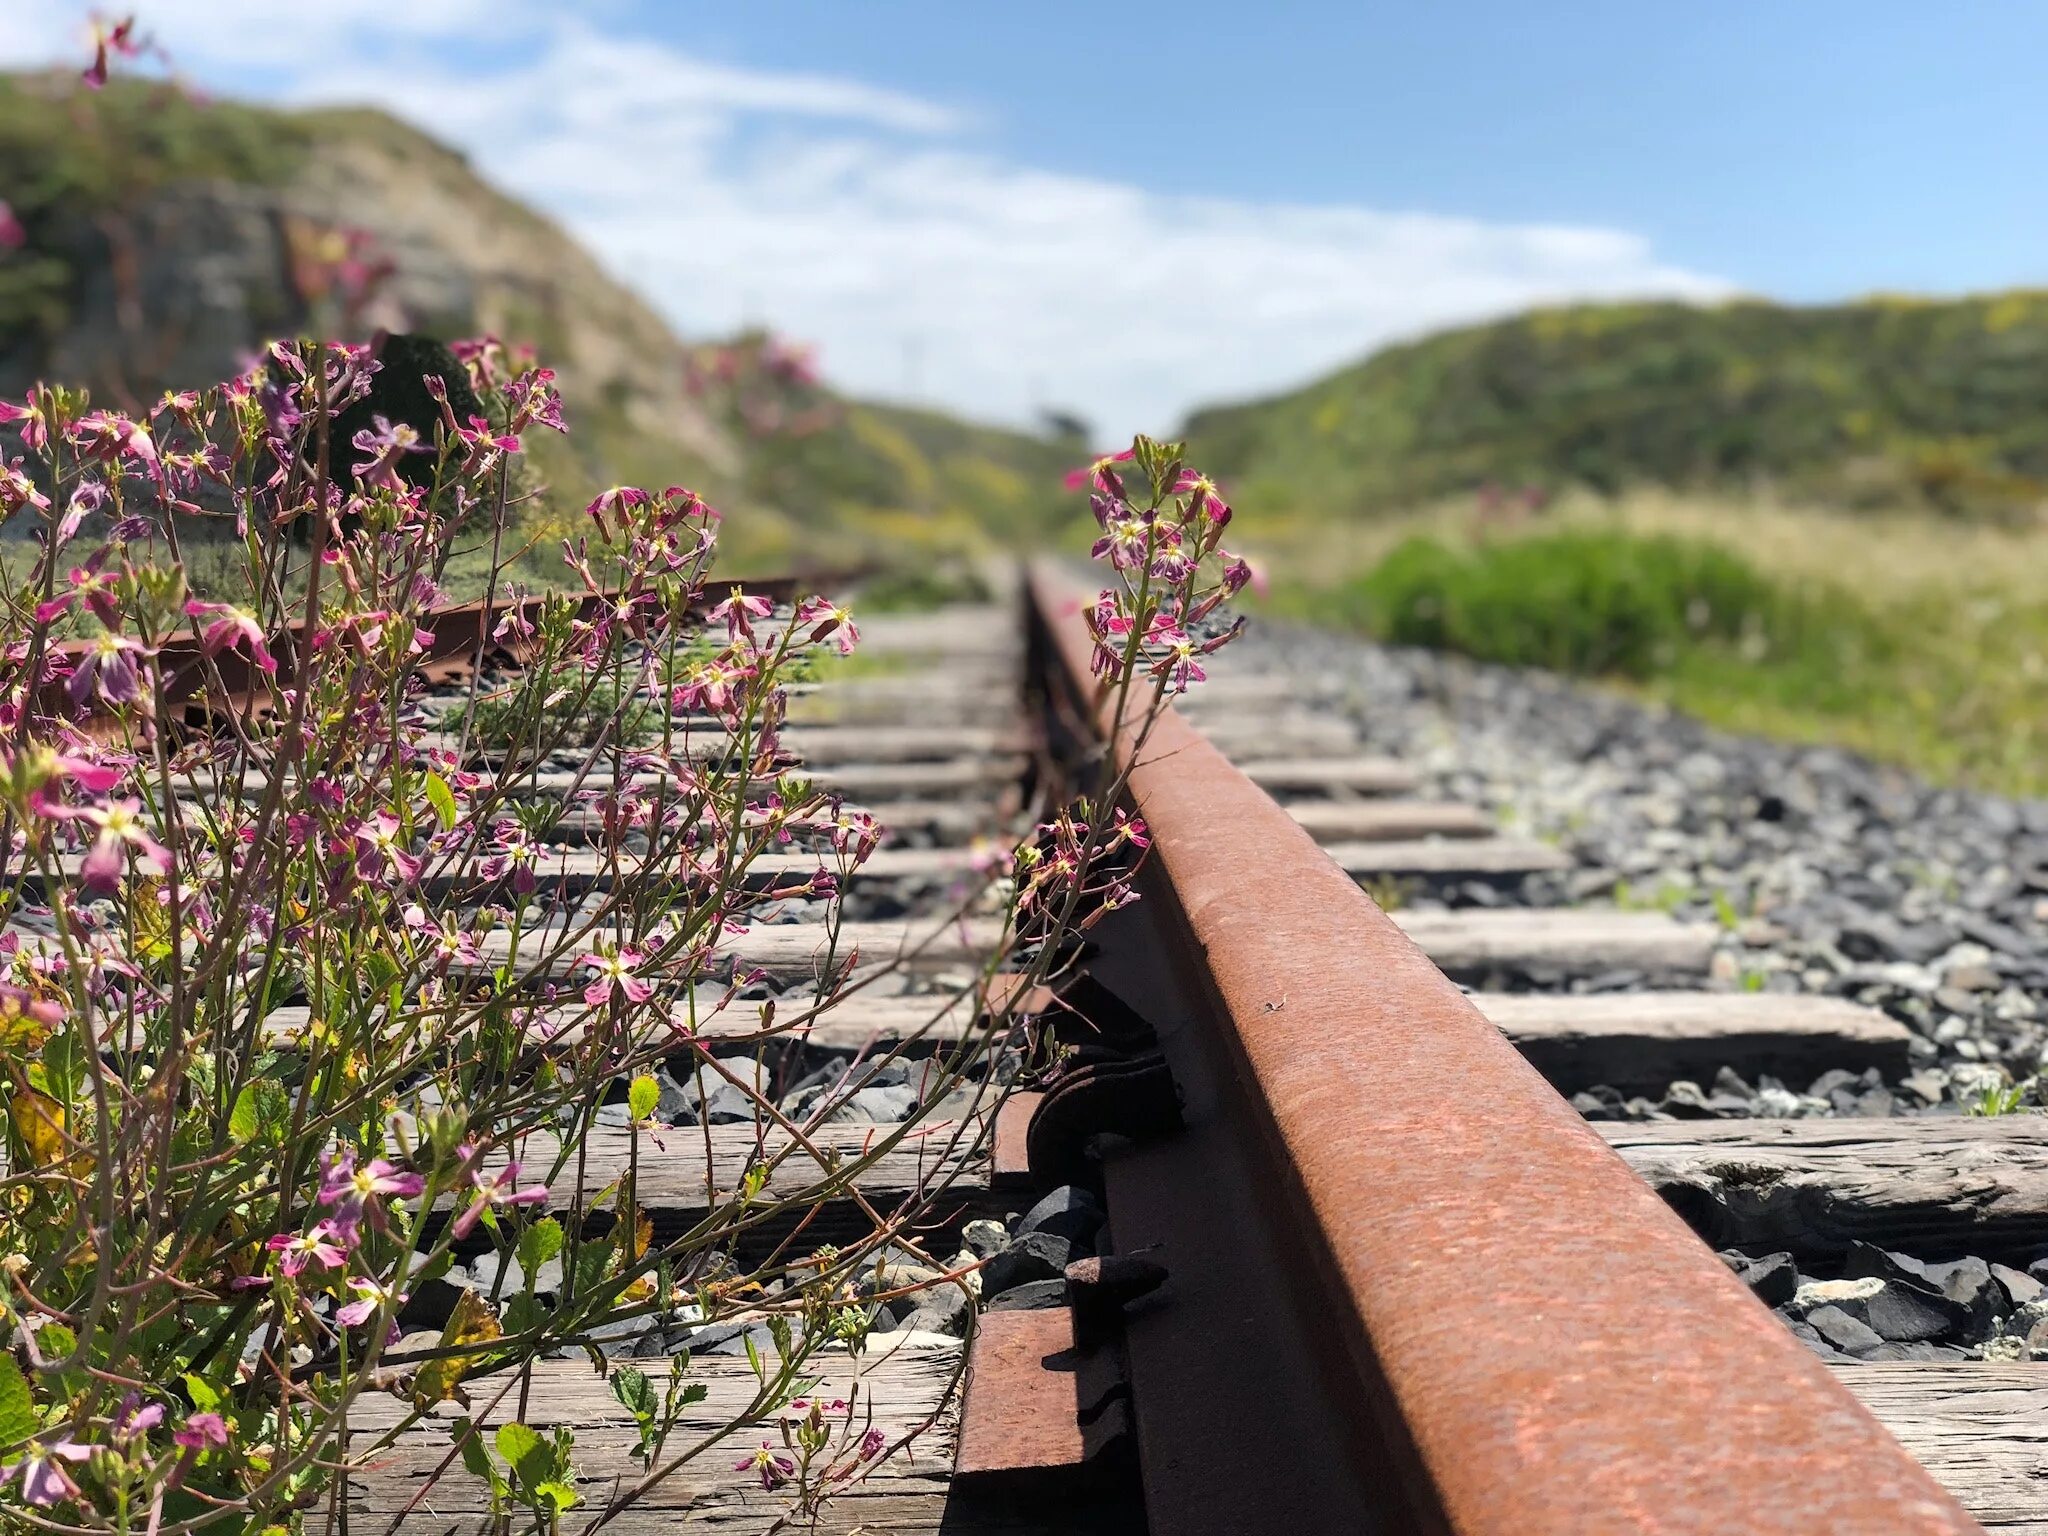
column 166, row 239
column 1882, row 403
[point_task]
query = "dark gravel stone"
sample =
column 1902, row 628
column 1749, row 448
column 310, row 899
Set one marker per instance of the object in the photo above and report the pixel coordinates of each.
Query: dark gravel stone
column 430, row 1305
column 1032, row 1256
column 2019, row 1287
column 1923, row 1300
column 984, row 1239
column 1903, row 1315
column 1843, row 1331
column 1880, row 938
column 944, row 1308
column 1811, row 1338
column 1069, row 1211
column 1033, row 1296
column 727, row 1339
column 890, row 1103
column 1772, row 1279
column 1995, row 935
column 723, row 1103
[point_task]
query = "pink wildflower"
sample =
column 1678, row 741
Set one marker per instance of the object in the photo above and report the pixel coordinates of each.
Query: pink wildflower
column 370, row 1296
column 44, row 1481
column 119, row 39
column 379, row 839
column 346, row 1185
column 35, row 428
column 227, row 628
column 500, row 1189
column 615, row 502
column 323, row 1246
column 829, row 621
column 109, row 669
column 12, row 235
column 121, row 828
column 1099, row 473
column 385, row 444
column 202, row 1430
column 738, row 612
column 136, row 1419
column 616, row 975
column 771, row 1465
column 94, row 585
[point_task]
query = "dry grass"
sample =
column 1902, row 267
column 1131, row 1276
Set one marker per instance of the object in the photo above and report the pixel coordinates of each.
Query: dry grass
column 1965, row 697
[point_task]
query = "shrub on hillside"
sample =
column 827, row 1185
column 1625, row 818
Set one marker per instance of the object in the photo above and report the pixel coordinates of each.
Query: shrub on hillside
column 1600, row 604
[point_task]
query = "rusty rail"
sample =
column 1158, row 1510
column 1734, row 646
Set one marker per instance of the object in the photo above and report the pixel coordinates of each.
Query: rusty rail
column 461, row 635
column 1454, row 1309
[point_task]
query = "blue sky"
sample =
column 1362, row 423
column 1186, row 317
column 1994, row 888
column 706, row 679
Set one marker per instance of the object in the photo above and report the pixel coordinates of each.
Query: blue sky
column 1804, row 150
column 1128, row 209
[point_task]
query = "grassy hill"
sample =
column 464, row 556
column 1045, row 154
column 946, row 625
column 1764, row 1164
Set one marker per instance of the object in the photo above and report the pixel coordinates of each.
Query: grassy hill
column 1881, row 403
column 166, row 239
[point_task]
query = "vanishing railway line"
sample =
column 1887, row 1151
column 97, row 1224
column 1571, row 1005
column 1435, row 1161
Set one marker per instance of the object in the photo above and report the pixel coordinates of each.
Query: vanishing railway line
column 1304, row 1235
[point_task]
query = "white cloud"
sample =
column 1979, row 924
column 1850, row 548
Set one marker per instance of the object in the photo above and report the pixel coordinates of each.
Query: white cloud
column 855, row 218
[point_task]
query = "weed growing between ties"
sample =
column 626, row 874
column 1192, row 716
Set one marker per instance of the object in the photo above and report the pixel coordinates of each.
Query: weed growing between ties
column 293, row 1015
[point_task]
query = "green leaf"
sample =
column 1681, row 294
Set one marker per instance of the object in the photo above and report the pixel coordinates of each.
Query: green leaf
column 634, row 1391
column 695, row 1392
column 592, row 1260
column 643, row 1096
column 442, row 799
column 260, row 1113
column 559, row 1496
column 518, row 1444
column 205, row 1396
column 477, row 1459
column 524, row 1313
column 537, row 1244
column 18, row 1418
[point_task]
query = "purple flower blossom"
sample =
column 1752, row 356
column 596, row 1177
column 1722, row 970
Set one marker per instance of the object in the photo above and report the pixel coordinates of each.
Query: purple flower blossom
column 738, row 612
column 35, row 429
column 357, row 1190
column 202, row 1430
column 326, row 1245
column 773, row 1467
column 500, row 1188
column 44, row 1481
column 377, row 840
column 136, row 1419
column 615, row 976
column 829, row 621
column 385, row 444
column 109, row 668
column 227, row 628
column 121, row 828
column 370, row 1296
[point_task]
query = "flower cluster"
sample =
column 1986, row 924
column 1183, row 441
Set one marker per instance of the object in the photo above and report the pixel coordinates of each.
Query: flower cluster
column 766, row 386
column 1171, row 574
column 293, row 959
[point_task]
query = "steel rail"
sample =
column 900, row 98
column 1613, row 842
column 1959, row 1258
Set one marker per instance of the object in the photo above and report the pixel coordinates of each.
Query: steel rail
column 460, row 633
column 1514, row 1336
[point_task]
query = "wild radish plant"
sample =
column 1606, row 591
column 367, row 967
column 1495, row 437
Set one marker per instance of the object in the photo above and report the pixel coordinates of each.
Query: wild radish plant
column 297, row 1014
column 300, row 1019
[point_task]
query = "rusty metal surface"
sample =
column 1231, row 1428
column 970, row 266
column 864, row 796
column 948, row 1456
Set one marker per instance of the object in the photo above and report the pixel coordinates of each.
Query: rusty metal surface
column 1535, row 1344
column 1041, row 1411
column 1010, row 1157
column 461, row 634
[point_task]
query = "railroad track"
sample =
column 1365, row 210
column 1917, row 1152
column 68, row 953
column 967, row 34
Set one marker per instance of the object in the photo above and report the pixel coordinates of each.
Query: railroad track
column 1309, row 1236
